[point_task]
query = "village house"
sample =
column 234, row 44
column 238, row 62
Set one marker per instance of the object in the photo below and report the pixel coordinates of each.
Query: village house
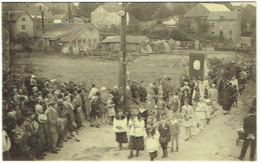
column 59, row 18
column 171, row 21
column 107, row 15
column 18, row 22
column 222, row 20
column 133, row 43
column 71, row 37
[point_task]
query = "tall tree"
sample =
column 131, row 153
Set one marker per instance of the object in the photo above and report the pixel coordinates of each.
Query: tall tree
column 85, row 8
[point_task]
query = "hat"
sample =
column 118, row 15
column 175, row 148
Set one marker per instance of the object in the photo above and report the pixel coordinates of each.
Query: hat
column 252, row 109
column 39, row 92
column 119, row 110
column 39, row 108
column 34, row 126
column 175, row 97
column 11, row 114
column 42, row 118
column 186, row 83
column 127, row 87
column 52, row 81
column 33, row 76
column 208, row 101
column 213, row 85
column 160, row 96
column 47, row 84
column 110, row 96
column 150, row 85
column 148, row 96
column 116, row 86
column 59, row 101
column 103, row 88
column 34, row 89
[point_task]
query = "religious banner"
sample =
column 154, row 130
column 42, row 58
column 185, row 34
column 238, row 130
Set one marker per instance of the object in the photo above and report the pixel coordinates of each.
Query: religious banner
column 197, row 66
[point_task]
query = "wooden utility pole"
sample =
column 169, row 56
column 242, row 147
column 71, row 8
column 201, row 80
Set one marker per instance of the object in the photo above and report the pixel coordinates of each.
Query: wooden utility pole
column 122, row 67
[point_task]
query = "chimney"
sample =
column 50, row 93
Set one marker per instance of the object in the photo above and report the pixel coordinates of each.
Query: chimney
column 40, row 8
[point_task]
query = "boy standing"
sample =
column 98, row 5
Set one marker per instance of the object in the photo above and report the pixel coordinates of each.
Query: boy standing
column 175, row 131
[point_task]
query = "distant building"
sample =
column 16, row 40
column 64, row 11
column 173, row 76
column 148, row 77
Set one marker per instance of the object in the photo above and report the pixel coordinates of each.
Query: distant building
column 18, row 22
column 133, row 43
column 172, row 21
column 107, row 15
column 222, row 21
column 59, row 18
column 70, row 37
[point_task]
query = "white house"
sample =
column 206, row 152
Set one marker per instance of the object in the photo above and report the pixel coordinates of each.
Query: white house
column 107, row 15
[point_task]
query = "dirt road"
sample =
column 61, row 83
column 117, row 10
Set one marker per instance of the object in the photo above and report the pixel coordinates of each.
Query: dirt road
column 216, row 143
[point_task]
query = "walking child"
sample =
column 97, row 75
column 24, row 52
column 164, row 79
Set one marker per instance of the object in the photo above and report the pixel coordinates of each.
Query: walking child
column 175, row 132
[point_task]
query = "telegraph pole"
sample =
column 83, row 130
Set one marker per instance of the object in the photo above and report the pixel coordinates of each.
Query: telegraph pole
column 122, row 67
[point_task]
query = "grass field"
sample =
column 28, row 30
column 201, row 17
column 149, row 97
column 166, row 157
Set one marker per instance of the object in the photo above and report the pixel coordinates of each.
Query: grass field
column 102, row 72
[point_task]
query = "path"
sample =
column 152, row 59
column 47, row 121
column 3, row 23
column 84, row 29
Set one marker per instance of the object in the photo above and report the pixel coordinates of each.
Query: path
column 216, row 143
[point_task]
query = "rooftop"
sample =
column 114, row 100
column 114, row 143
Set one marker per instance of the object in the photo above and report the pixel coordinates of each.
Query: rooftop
column 11, row 15
column 129, row 39
column 215, row 7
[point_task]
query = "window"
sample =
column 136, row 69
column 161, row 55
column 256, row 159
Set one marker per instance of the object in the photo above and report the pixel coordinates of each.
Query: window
column 230, row 39
column 213, row 33
column 49, row 21
column 23, row 26
column 221, row 32
column 23, row 19
column 212, row 24
column 84, row 40
column 95, row 40
column 230, row 32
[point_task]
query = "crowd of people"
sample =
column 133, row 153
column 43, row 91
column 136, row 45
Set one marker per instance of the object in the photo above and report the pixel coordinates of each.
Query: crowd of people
column 38, row 117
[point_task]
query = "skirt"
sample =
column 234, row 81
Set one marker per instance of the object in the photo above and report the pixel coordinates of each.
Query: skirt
column 153, row 155
column 121, row 137
column 111, row 112
column 136, row 143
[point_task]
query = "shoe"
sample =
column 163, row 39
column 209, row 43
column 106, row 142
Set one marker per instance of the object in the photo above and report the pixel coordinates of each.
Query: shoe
column 77, row 139
column 65, row 140
column 136, row 155
column 104, row 122
column 186, row 139
column 79, row 128
column 240, row 158
column 110, row 123
column 83, row 126
column 57, row 149
column 177, row 149
column 69, row 137
column 54, row 152
column 97, row 126
column 92, row 126
column 202, row 128
column 130, row 156
column 39, row 157
column 163, row 156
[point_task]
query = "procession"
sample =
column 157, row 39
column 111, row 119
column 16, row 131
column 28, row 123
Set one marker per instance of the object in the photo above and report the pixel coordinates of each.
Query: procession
column 129, row 81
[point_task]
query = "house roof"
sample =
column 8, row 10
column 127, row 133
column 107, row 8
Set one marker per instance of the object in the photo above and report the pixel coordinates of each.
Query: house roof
column 129, row 39
column 226, row 15
column 75, row 32
column 58, row 16
column 34, row 10
column 245, row 40
column 12, row 16
column 215, row 7
column 111, row 8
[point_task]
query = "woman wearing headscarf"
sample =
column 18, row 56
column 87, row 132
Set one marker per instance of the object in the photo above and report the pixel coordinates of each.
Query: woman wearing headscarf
column 111, row 108
column 103, row 98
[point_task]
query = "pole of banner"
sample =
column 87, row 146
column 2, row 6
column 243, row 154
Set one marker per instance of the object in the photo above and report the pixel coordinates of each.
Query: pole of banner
column 123, row 15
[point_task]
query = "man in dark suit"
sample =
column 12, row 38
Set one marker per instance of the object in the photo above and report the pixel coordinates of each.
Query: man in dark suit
column 52, row 126
column 250, row 134
column 142, row 92
column 46, row 90
column 116, row 97
column 165, row 136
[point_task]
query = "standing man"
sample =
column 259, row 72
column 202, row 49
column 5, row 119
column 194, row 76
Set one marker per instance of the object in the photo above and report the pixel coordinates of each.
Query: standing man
column 53, row 128
column 165, row 136
column 250, row 134
column 116, row 98
column 142, row 92
column 134, row 91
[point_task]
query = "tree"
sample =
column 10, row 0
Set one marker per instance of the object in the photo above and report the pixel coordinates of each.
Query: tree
column 85, row 8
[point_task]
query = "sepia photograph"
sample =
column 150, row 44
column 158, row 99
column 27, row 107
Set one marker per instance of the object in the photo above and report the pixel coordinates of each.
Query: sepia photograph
column 129, row 81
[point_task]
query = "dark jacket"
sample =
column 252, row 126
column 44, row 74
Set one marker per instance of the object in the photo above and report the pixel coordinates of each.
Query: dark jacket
column 250, row 125
column 142, row 93
column 164, row 133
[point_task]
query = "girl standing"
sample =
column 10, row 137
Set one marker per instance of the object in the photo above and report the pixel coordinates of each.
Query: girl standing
column 120, row 127
column 188, row 118
column 151, row 140
column 201, row 113
column 136, row 124
column 111, row 108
